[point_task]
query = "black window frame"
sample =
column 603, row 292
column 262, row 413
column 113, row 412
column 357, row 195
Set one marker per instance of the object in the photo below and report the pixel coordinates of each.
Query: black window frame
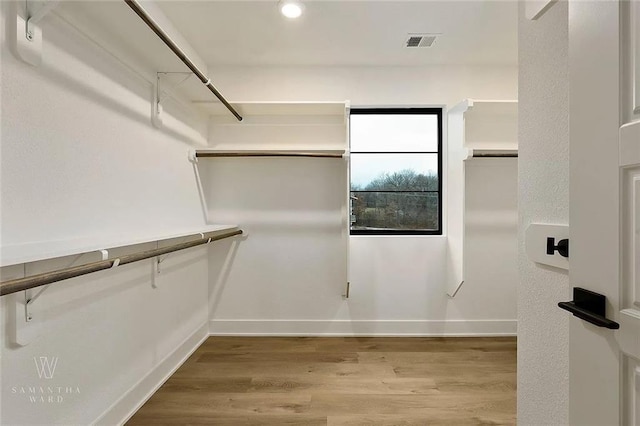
column 438, row 112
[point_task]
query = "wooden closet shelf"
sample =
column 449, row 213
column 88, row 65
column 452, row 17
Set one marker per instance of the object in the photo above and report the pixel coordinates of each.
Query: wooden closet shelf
column 279, row 153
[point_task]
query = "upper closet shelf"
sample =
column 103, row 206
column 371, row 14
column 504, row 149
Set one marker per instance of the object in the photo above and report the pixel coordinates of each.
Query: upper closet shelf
column 488, row 124
column 486, row 107
column 297, row 129
column 41, row 250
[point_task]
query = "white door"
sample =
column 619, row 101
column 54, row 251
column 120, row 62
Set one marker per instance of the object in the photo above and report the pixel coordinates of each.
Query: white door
column 605, row 208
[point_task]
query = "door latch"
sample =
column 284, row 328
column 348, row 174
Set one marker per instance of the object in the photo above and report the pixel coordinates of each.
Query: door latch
column 562, row 247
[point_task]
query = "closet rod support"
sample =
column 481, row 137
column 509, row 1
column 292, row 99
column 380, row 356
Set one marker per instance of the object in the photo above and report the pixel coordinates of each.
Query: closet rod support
column 28, row 301
column 33, row 19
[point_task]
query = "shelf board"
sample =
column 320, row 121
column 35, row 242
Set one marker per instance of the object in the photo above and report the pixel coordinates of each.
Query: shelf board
column 43, row 250
column 316, row 153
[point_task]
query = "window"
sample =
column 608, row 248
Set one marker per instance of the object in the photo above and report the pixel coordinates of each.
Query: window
column 396, row 161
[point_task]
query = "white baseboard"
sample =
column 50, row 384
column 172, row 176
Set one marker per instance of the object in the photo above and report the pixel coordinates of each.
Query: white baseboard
column 123, row 409
column 362, row 328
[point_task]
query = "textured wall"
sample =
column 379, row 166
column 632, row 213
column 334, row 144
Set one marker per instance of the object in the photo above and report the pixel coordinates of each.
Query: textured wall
column 398, row 283
column 543, row 329
column 369, row 86
column 81, row 159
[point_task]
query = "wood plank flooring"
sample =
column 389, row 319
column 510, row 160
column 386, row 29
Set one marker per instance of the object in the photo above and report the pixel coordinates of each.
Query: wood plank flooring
column 340, row 381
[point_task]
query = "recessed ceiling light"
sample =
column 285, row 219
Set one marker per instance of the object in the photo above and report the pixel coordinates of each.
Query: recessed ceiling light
column 290, row 8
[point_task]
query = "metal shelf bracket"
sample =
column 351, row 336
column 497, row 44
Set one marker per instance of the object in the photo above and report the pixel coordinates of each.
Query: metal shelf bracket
column 164, row 89
column 28, row 31
column 28, row 301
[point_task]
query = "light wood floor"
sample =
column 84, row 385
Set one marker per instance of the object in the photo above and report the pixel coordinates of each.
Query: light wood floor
column 340, row 381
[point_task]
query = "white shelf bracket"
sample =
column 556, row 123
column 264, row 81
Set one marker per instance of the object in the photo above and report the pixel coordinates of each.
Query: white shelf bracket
column 347, row 112
column 347, row 290
column 28, row 30
column 162, row 90
column 452, row 293
column 534, row 9
column 156, row 106
column 34, row 17
column 26, row 326
column 162, row 258
column 159, row 260
column 28, row 301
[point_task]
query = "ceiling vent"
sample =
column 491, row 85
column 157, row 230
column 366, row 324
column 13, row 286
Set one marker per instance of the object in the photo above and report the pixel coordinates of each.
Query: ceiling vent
column 420, row 40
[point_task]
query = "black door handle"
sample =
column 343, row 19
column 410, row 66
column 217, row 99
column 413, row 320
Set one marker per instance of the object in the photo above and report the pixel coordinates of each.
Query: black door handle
column 589, row 306
column 562, row 247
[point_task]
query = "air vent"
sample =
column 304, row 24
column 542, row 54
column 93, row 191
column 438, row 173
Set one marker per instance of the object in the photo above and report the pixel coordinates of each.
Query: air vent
column 421, row 40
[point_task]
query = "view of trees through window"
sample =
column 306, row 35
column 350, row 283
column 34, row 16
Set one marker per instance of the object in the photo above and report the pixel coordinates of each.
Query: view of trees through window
column 395, row 163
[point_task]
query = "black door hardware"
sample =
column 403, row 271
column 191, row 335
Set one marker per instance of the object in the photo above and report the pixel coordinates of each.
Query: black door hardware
column 562, row 247
column 590, row 307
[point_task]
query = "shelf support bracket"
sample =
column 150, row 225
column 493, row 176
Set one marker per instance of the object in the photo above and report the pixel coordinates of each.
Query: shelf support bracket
column 347, row 290
column 160, row 93
column 34, row 18
column 161, row 258
column 28, row 301
column 28, row 31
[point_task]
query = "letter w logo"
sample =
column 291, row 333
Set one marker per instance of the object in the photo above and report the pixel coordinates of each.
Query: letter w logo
column 46, row 366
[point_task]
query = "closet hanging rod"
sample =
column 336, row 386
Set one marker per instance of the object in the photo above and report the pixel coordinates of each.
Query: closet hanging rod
column 503, row 155
column 220, row 154
column 135, row 6
column 493, row 153
column 26, row 283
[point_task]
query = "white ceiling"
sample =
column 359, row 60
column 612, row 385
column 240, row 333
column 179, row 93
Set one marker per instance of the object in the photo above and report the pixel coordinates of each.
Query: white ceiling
column 348, row 32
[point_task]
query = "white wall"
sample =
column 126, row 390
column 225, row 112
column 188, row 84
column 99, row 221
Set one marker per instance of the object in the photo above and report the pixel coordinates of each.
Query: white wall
column 368, row 86
column 80, row 159
column 543, row 329
column 292, row 266
column 398, row 284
